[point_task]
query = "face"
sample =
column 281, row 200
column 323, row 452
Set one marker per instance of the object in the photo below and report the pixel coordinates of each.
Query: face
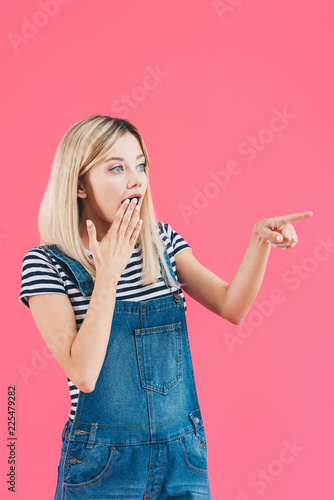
column 107, row 184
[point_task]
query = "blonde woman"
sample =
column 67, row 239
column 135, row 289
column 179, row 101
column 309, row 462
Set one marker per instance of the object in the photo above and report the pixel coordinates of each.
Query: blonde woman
column 104, row 289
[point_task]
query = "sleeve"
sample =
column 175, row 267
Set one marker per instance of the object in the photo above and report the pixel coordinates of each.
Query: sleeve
column 39, row 276
column 177, row 242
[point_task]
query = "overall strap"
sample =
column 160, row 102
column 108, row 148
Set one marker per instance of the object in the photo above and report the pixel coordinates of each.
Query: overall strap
column 177, row 293
column 75, row 271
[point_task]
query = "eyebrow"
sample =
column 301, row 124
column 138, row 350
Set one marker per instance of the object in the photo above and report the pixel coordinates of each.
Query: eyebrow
column 122, row 159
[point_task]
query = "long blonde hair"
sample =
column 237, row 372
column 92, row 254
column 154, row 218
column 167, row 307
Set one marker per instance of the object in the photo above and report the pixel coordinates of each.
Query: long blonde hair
column 84, row 144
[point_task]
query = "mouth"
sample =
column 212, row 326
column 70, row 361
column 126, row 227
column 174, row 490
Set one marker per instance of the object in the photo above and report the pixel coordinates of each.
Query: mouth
column 138, row 196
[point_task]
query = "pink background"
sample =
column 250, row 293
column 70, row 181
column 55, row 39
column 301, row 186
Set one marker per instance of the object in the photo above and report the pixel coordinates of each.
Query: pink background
column 222, row 76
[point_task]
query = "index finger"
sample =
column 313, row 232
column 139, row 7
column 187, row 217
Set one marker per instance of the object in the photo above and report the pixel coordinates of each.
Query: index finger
column 297, row 216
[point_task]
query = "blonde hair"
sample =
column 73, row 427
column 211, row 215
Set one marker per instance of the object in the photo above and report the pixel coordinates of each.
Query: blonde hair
column 84, row 144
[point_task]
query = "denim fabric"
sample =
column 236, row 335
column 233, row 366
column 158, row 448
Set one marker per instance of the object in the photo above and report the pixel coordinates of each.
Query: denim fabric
column 140, row 433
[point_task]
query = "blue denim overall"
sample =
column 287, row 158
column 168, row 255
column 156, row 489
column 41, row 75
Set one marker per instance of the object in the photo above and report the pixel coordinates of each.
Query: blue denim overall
column 139, row 434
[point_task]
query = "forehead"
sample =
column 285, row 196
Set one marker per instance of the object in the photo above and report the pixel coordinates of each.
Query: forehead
column 126, row 145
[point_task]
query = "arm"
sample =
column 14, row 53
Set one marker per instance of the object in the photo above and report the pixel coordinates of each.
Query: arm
column 230, row 301
column 233, row 301
column 248, row 279
column 80, row 353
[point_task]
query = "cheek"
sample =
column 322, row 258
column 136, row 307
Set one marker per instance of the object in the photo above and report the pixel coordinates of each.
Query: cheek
column 109, row 187
column 105, row 195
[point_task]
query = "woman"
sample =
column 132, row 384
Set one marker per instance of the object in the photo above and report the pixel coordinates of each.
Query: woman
column 103, row 288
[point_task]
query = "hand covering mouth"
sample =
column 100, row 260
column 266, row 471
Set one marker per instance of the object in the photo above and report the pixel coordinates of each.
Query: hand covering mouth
column 139, row 197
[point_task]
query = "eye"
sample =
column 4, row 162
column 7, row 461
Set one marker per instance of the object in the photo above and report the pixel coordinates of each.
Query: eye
column 143, row 165
column 117, row 166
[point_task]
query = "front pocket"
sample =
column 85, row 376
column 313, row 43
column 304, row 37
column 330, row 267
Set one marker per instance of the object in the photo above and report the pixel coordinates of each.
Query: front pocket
column 194, row 451
column 159, row 354
column 86, row 466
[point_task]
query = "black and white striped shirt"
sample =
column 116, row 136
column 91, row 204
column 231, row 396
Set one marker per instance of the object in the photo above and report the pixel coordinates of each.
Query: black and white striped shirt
column 39, row 276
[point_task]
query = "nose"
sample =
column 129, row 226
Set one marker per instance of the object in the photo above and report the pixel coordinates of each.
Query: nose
column 134, row 178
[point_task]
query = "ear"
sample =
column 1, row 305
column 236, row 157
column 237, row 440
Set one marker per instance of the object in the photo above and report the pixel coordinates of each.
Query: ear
column 81, row 192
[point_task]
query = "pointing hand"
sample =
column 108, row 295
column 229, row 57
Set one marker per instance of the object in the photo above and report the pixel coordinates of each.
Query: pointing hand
column 279, row 231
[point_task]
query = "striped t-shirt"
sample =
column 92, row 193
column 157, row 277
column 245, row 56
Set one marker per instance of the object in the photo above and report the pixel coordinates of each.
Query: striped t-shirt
column 39, row 276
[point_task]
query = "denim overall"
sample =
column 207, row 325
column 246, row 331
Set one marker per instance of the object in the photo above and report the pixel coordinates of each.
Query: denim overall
column 139, row 434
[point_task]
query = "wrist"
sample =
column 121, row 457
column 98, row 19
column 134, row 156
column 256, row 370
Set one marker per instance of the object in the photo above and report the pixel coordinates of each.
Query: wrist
column 256, row 236
column 106, row 279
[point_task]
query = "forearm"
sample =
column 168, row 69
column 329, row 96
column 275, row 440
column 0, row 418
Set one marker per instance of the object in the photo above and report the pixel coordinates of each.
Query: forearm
column 247, row 281
column 89, row 347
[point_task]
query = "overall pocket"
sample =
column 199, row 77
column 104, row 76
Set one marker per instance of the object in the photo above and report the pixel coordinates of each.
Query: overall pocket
column 194, row 451
column 159, row 355
column 86, row 466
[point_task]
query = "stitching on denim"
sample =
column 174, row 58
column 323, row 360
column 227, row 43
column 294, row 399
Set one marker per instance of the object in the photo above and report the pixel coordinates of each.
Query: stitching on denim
column 140, row 442
column 138, row 332
column 98, row 478
column 177, row 354
column 149, row 473
column 161, row 390
column 169, row 264
column 84, row 287
column 125, row 425
column 195, row 395
column 154, row 329
column 161, row 469
column 149, row 310
column 187, row 463
column 149, row 396
column 162, row 462
column 66, row 464
column 61, row 264
column 91, row 437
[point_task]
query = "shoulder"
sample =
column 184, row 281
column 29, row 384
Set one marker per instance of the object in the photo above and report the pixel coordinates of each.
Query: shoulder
column 39, row 275
column 38, row 261
column 37, row 255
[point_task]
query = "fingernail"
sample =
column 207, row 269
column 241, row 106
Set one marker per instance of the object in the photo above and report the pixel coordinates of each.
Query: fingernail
column 88, row 222
column 279, row 238
column 140, row 222
column 274, row 245
column 137, row 208
column 134, row 200
column 127, row 201
column 268, row 241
